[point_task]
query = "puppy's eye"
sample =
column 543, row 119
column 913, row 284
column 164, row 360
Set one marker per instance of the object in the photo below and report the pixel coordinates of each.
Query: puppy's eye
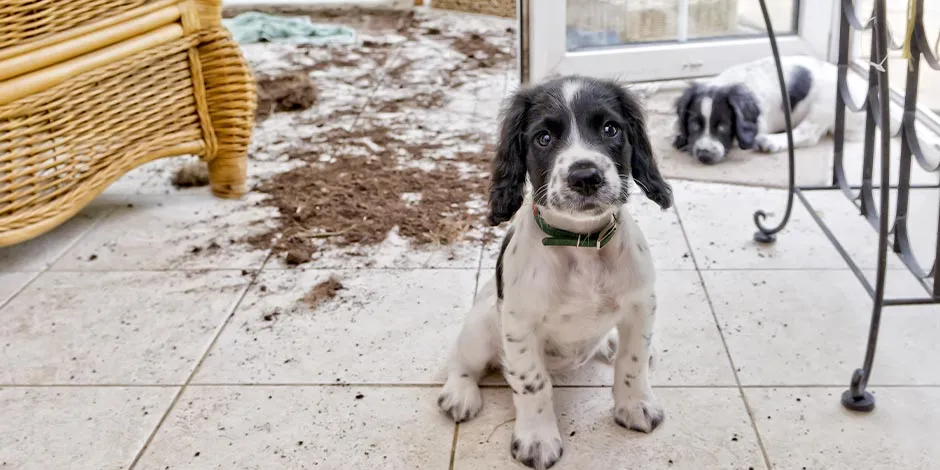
column 723, row 128
column 543, row 138
column 693, row 126
column 611, row 130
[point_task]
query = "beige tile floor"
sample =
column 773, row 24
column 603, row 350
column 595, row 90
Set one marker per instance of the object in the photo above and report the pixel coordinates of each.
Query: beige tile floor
column 151, row 357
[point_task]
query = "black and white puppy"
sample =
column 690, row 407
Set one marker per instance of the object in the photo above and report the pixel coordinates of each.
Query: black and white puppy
column 575, row 277
column 744, row 103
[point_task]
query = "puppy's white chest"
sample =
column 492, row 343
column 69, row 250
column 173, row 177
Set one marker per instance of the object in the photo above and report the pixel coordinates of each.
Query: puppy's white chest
column 588, row 301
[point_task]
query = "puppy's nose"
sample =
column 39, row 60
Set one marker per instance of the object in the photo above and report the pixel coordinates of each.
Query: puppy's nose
column 704, row 156
column 585, row 178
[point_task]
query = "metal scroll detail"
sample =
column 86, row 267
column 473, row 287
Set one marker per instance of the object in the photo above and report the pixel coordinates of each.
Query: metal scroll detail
column 893, row 233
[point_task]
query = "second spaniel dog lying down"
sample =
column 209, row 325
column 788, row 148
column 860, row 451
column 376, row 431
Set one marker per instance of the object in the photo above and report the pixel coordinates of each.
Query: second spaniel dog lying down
column 574, row 279
column 744, row 103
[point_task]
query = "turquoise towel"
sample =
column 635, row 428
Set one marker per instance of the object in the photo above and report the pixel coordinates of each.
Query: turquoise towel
column 259, row 27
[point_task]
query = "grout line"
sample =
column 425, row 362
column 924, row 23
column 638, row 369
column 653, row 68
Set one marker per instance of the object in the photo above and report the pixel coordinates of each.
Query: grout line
column 453, row 447
column 55, row 260
column 437, row 385
column 724, row 342
column 199, row 363
column 476, row 282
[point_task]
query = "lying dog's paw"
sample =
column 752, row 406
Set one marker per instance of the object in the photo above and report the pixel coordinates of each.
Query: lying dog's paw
column 460, row 399
column 639, row 415
column 537, row 446
column 768, row 144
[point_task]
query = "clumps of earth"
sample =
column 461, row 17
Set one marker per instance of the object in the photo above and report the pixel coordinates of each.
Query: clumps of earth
column 323, row 291
column 190, row 175
column 292, row 91
column 392, row 161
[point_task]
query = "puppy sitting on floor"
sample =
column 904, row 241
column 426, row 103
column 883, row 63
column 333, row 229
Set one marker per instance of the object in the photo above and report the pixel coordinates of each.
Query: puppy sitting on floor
column 744, row 103
column 574, row 278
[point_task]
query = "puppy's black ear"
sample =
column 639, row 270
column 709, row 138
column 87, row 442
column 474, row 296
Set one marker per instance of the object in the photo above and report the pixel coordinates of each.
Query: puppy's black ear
column 682, row 115
column 507, row 180
column 746, row 112
column 642, row 164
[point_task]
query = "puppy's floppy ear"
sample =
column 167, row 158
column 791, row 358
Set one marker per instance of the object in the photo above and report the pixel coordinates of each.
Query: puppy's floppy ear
column 642, row 164
column 682, row 111
column 507, row 180
column 746, row 112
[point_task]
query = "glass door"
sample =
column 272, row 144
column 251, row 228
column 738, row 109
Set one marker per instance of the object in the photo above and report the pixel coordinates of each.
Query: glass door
column 643, row 40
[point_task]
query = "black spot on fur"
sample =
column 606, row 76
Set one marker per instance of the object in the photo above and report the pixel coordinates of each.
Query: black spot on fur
column 523, row 350
column 799, row 85
column 464, row 376
column 513, row 339
column 627, row 383
column 635, row 359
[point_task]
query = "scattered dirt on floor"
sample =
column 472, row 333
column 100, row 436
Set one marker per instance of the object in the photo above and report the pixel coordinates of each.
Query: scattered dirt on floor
column 389, row 169
column 191, row 175
column 293, row 91
column 323, row 291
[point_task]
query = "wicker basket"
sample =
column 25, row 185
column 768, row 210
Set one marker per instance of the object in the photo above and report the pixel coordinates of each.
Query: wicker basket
column 92, row 89
column 651, row 20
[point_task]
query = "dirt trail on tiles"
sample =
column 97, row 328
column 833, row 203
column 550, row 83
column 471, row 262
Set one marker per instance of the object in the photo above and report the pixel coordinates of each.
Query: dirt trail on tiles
column 378, row 146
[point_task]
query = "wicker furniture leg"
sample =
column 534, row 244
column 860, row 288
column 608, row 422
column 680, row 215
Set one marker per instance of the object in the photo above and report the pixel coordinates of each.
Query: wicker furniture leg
column 231, row 99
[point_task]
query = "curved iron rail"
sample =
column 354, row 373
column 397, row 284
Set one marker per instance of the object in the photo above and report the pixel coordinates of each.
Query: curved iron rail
column 764, row 234
column 876, row 105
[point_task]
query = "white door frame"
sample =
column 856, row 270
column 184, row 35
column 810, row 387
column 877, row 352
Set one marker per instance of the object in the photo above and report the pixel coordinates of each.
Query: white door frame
column 545, row 51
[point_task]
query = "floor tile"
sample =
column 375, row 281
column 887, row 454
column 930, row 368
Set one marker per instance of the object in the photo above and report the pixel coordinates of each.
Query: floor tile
column 811, row 327
column 11, row 283
column 718, row 221
column 660, row 228
column 809, row 428
column 302, row 428
column 395, row 252
column 91, row 428
column 853, row 230
column 179, row 230
column 384, row 326
column 688, row 346
column 113, row 328
column 38, row 253
column 704, row 429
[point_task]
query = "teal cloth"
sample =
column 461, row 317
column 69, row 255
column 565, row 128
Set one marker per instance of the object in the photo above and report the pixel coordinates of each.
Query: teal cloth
column 260, row 27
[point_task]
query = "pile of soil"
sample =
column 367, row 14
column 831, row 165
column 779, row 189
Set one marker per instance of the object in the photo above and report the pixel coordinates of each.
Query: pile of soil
column 191, row 175
column 323, row 291
column 289, row 92
column 397, row 165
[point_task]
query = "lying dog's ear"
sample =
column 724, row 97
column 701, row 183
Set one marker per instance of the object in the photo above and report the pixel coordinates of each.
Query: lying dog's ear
column 642, row 164
column 746, row 112
column 507, row 180
column 682, row 115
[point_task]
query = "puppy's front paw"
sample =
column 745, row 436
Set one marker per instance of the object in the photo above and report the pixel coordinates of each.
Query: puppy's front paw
column 768, row 144
column 639, row 415
column 537, row 446
column 460, row 399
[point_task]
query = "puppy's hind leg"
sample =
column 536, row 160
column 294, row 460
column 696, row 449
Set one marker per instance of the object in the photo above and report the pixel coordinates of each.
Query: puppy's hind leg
column 477, row 348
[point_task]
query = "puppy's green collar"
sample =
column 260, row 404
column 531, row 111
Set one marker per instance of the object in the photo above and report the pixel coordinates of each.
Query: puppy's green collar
column 559, row 237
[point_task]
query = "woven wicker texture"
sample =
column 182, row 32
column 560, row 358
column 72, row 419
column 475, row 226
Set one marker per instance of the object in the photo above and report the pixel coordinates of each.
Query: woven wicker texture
column 22, row 21
column 61, row 147
column 505, row 8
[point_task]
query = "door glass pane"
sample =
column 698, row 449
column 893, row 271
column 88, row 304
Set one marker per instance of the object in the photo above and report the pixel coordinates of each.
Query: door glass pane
column 602, row 23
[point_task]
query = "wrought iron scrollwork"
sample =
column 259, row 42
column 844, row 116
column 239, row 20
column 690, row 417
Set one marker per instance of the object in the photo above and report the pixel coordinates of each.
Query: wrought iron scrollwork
column 893, row 233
